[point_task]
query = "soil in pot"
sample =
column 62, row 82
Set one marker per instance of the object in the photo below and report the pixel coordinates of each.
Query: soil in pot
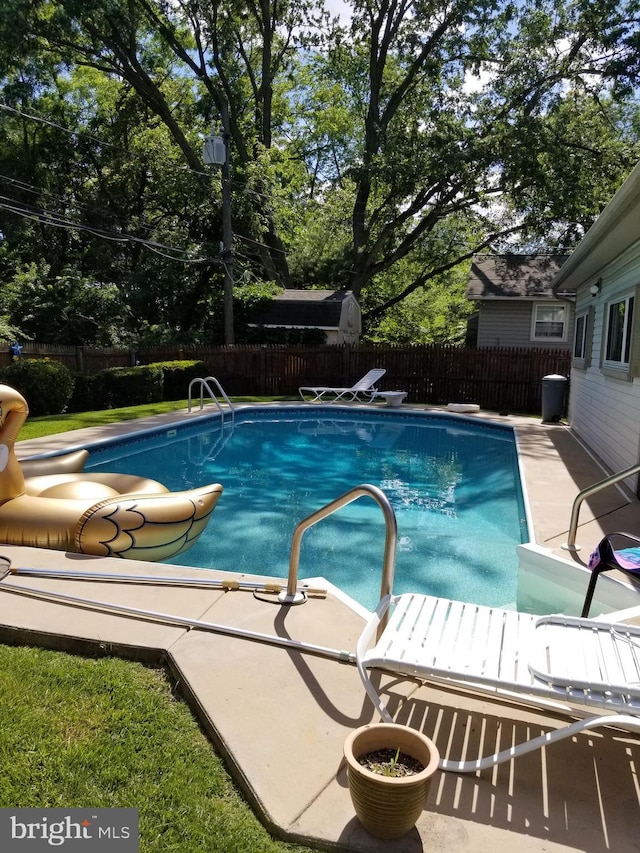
column 391, row 762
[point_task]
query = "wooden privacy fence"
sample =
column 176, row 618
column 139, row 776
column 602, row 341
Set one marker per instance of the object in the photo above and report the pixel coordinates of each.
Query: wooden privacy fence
column 500, row 379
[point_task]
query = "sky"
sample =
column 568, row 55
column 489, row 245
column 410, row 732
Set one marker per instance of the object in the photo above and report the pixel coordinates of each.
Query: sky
column 338, row 8
column 341, row 9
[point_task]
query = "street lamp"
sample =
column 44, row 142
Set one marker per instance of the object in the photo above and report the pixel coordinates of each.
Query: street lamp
column 216, row 152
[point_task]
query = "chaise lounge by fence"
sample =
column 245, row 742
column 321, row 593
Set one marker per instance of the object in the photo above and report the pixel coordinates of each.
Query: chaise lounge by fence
column 364, row 390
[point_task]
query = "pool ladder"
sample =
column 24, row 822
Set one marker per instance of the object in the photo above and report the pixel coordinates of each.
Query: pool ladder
column 570, row 544
column 204, row 385
column 294, row 596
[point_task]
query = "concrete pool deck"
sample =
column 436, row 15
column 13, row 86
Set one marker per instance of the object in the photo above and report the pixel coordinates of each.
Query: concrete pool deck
column 279, row 715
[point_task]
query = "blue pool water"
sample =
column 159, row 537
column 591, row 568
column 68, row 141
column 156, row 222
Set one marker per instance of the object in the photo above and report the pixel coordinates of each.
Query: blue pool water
column 454, row 485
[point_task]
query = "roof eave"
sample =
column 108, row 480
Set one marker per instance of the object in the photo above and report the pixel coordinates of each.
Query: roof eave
column 529, row 297
column 614, row 231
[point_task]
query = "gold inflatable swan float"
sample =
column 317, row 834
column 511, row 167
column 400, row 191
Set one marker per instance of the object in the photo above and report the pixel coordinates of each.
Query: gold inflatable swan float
column 109, row 515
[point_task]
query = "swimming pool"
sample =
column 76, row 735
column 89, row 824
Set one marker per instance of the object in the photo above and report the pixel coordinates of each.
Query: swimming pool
column 454, row 485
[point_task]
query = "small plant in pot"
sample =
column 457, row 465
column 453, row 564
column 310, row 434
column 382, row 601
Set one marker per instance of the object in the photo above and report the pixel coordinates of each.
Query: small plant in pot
column 389, row 771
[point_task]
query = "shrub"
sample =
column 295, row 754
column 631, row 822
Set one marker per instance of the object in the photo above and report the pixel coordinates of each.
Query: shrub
column 177, row 375
column 46, row 385
column 106, row 389
column 128, row 386
column 85, row 397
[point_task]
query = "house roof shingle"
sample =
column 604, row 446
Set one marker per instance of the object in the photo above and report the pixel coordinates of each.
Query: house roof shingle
column 513, row 276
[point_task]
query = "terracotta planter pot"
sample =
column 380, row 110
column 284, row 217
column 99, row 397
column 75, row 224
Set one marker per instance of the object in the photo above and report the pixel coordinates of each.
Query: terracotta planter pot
column 388, row 806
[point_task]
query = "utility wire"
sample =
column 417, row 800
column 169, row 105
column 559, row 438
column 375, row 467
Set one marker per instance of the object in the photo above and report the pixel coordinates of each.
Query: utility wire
column 26, row 187
column 241, row 186
column 30, row 187
column 48, row 218
column 77, row 133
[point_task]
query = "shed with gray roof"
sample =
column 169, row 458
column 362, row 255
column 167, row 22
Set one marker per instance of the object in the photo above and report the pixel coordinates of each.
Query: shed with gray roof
column 335, row 312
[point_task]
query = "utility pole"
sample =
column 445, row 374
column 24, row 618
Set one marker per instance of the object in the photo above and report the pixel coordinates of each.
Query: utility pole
column 216, row 152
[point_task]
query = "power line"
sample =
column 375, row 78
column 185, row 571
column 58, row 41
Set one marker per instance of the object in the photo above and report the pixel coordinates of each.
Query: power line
column 46, row 217
column 75, row 133
column 31, row 188
column 49, row 218
column 50, row 123
column 202, row 174
column 259, row 244
column 98, row 232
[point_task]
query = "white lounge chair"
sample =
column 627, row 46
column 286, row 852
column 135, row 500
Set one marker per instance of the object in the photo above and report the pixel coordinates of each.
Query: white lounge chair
column 561, row 663
column 364, row 390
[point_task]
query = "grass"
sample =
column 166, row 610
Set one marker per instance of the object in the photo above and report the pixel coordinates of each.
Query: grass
column 52, row 424
column 106, row 733
column 83, row 732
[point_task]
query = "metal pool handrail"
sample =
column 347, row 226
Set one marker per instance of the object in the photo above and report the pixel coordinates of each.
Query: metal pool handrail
column 292, row 594
column 204, row 384
column 586, row 493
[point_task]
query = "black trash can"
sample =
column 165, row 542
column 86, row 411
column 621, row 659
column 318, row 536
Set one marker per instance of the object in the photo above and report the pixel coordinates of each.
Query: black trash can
column 554, row 395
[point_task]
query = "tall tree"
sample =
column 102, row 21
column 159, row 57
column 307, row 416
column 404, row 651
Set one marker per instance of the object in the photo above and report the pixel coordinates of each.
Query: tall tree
column 376, row 132
column 513, row 157
column 97, row 191
column 238, row 55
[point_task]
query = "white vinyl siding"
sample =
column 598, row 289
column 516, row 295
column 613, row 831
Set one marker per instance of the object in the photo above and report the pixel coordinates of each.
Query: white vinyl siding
column 604, row 403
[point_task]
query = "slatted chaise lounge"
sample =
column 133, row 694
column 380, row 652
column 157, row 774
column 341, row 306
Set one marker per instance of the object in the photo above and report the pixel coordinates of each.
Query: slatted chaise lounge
column 586, row 667
column 364, row 390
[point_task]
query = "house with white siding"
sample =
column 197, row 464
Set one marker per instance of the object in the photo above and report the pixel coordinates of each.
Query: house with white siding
column 604, row 270
column 515, row 302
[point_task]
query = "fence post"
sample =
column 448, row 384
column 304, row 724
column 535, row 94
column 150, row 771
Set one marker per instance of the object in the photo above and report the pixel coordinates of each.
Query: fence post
column 80, row 359
column 262, row 371
column 346, row 363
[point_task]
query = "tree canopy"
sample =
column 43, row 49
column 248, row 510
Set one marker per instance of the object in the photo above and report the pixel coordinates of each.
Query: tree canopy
column 376, row 157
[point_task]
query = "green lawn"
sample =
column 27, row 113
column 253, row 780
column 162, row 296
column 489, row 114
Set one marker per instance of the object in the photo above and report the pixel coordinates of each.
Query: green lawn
column 83, row 732
column 105, row 733
column 51, row 424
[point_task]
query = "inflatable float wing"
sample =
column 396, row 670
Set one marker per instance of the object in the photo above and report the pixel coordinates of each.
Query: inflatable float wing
column 66, row 463
column 111, row 515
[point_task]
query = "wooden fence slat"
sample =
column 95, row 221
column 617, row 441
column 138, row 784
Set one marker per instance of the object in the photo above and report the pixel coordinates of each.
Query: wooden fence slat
column 499, row 379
